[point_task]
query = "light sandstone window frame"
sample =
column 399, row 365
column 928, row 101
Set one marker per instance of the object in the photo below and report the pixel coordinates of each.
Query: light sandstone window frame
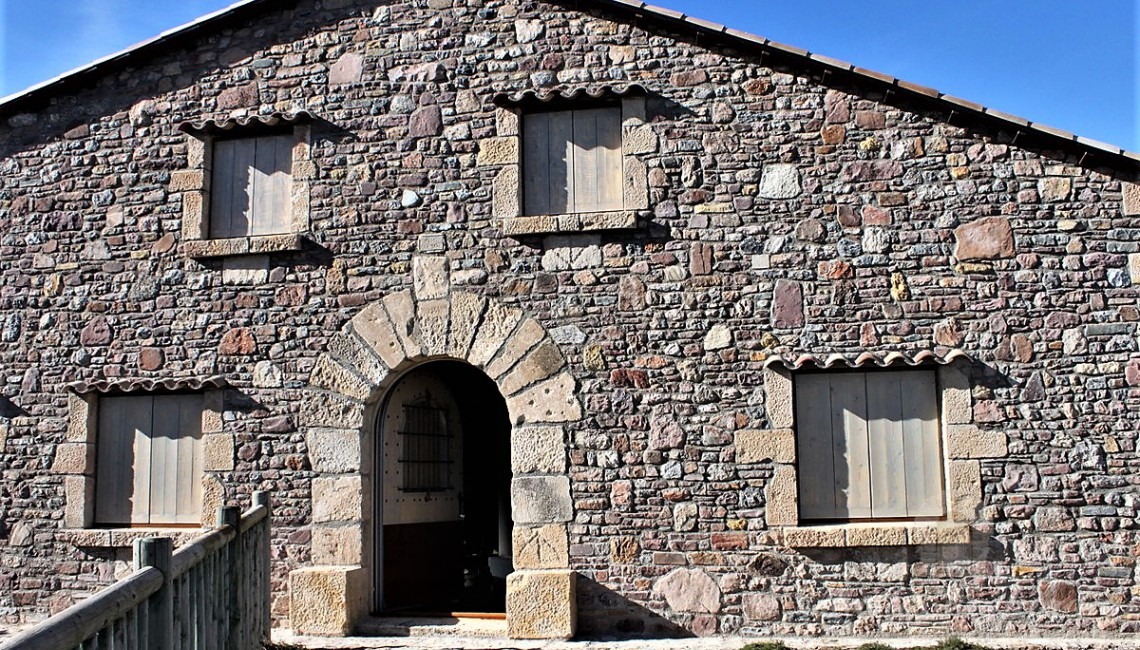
column 76, row 458
column 505, row 151
column 963, row 446
column 196, row 184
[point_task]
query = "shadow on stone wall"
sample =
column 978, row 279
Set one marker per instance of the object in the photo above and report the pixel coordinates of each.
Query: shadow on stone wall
column 604, row 614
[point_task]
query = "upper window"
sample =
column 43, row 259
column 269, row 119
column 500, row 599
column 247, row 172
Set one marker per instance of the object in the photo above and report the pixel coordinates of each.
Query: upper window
column 572, row 161
column 149, row 460
column 425, row 443
column 869, row 445
column 251, row 187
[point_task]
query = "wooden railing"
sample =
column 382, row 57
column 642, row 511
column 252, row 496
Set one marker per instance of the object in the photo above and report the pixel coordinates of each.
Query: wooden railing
column 212, row 594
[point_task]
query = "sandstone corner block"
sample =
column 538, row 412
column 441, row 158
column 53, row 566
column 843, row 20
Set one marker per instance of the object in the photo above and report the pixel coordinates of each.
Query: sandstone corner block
column 538, row 450
column 334, row 451
column 498, row 151
column 756, row 446
column 552, row 400
column 782, row 498
column 541, row 547
column 74, row 458
column 338, row 499
column 965, row 490
column 217, row 452
column 1131, row 192
column 967, row 441
column 541, row 605
column 779, row 398
column 327, row 600
column 338, row 545
column 540, row 500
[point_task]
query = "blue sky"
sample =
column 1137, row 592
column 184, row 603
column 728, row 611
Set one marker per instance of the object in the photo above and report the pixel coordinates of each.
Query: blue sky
column 1069, row 64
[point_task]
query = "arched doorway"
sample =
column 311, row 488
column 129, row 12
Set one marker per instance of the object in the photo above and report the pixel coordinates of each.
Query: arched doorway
column 442, row 508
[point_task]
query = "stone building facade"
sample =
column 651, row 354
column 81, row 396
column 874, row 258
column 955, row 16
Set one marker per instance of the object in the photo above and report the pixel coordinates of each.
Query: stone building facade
column 641, row 370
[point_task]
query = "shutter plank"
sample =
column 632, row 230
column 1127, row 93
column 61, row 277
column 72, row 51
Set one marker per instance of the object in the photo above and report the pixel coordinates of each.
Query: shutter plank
column 269, row 182
column 560, row 158
column 283, row 185
column 885, row 430
column 610, row 176
column 119, row 419
column 922, row 451
column 849, row 428
column 815, row 449
column 244, row 186
column 536, row 164
column 188, row 508
column 587, row 161
column 222, row 190
column 164, row 459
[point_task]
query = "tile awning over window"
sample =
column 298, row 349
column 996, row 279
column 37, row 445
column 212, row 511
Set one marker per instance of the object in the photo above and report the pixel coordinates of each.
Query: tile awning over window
column 545, row 96
column 147, row 385
column 247, row 123
column 943, row 356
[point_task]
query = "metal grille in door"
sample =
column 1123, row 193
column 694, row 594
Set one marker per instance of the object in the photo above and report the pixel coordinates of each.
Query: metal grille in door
column 425, row 455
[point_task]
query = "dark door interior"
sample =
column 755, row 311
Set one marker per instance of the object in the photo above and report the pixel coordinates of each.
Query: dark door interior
column 445, row 546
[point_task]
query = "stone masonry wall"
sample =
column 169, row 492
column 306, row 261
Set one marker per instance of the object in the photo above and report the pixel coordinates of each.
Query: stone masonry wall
column 788, row 215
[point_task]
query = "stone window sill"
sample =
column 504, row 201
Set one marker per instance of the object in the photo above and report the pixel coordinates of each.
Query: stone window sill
column 871, row 534
column 257, row 245
column 123, row 537
column 544, row 224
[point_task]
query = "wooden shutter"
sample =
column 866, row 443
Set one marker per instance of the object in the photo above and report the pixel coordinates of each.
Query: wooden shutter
column 868, row 445
column 251, row 186
column 149, row 460
column 123, row 422
column 572, row 161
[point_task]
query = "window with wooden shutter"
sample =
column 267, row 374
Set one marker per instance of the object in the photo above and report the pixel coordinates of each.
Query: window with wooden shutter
column 572, row 161
column 251, row 187
column 869, row 445
column 149, row 460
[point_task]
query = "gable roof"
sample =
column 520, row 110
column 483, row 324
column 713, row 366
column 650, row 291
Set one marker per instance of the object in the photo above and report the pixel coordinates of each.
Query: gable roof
column 971, row 111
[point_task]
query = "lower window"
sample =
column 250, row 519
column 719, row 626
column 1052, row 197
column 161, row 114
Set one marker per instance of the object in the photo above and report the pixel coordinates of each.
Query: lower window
column 149, row 460
column 869, row 445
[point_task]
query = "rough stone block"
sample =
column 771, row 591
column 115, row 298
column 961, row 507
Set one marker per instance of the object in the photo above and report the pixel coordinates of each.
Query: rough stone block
column 217, row 452
column 213, row 497
column 536, row 225
column 1134, row 268
column 957, row 402
column 778, row 393
column 330, row 375
column 466, row 311
column 433, row 319
column 506, row 201
column 540, row 500
column 538, row 450
column 779, row 181
column 755, row 446
column 187, row 179
column 541, row 604
column 540, row 547
column 74, row 458
column 498, row 151
column 965, row 490
column 815, row 537
column 376, row 329
column 402, row 314
column 215, row 247
column 337, row 499
column 334, row 451
column 324, row 409
column 79, row 501
column 988, row 238
column 430, row 277
column 937, row 534
column 762, row 607
column 639, row 140
column 1054, row 189
column 690, row 590
column 507, row 122
column 635, row 189
column 967, row 441
column 540, row 363
column 1131, row 198
column 348, row 69
column 82, row 415
column 875, row 535
column 552, row 400
column 327, row 600
column 623, row 220
column 341, row 545
column 498, row 323
column 213, row 407
column 782, row 498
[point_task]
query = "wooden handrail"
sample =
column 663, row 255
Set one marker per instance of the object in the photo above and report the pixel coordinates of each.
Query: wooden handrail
column 73, row 625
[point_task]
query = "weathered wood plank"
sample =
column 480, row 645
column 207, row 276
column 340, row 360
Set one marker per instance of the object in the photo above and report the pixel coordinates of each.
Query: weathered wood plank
column 849, row 436
column 814, row 436
column 922, row 446
column 885, row 438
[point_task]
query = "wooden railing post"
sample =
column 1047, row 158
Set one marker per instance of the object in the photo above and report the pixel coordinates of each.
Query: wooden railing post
column 156, row 552
column 230, row 621
column 260, row 583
